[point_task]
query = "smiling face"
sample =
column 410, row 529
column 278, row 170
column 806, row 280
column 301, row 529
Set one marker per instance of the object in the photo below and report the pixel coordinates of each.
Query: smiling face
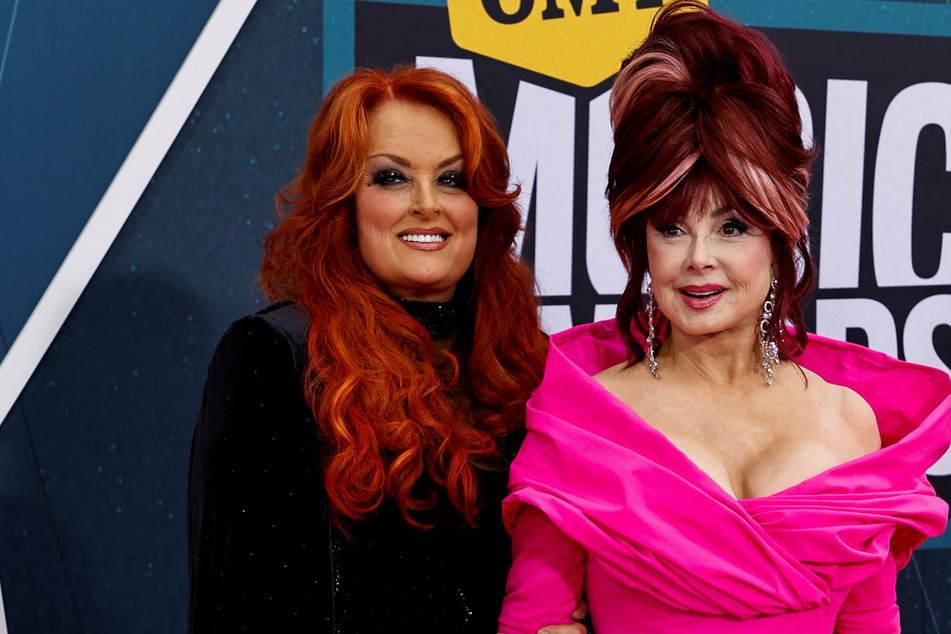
column 710, row 272
column 416, row 224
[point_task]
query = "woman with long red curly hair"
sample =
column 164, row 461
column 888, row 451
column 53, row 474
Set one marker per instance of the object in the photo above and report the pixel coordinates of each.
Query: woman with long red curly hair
column 353, row 445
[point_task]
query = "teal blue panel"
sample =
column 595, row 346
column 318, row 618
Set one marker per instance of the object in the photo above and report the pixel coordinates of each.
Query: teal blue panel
column 338, row 29
column 865, row 16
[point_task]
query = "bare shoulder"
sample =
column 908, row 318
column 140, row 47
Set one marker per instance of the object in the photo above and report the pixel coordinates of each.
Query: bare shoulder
column 609, row 376
column 624, row 382
column 849, row 412
column 859, row 417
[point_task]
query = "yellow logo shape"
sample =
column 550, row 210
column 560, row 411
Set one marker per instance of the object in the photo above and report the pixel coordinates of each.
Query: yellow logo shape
column 578, row 41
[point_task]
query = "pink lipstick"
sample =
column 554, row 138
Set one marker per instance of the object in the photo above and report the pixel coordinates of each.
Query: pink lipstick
column 700, row 297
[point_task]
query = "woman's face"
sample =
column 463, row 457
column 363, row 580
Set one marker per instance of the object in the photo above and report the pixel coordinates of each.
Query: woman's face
column 416, row 224
column 710, row 272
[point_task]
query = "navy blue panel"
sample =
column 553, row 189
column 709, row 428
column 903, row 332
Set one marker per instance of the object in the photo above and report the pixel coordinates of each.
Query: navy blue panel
column 922, row 593
column 30, row 566
column 112, row 405
column 79, row 84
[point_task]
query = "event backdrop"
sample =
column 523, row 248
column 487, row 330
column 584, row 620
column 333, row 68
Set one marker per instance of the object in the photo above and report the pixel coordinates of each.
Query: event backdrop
column 141, row 145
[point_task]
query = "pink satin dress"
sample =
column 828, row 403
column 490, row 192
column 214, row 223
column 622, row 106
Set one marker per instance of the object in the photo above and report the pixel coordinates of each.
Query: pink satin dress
column 601, row 502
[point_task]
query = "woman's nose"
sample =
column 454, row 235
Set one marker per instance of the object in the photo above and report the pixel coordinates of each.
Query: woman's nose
column 424, row 202
column 700, row 255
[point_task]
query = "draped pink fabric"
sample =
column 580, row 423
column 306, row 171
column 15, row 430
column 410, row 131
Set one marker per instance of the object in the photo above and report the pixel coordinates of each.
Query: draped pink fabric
column 607, row 502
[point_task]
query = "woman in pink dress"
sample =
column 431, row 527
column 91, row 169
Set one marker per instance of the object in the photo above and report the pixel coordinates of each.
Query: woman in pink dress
column 700, row 464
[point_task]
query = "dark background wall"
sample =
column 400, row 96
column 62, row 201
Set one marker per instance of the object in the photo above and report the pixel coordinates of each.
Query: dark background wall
column 93, row 452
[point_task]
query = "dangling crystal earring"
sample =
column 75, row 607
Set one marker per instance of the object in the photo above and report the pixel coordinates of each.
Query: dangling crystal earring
column 770, row 349
column 651, row 305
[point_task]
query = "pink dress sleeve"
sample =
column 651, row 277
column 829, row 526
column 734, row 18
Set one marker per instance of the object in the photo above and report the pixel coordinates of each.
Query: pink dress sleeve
column 870, row 607
column 547, row 575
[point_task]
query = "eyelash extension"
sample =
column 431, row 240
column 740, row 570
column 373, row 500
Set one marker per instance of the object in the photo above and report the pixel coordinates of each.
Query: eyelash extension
column 386, row 176
column 738, row 224
column 458, row 178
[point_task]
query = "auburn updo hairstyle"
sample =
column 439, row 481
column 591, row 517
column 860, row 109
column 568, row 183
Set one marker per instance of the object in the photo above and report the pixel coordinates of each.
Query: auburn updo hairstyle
column 705, row 109
column 389, row 405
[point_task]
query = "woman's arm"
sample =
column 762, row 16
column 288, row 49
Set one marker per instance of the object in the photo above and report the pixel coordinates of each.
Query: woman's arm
column 870, row 607
column 256, row 535
column 546, row 580
column 580, row 613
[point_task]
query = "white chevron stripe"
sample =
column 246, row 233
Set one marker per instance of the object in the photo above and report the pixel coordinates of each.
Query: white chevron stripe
column 119, row 200
column 6, row 47
column 117, row 203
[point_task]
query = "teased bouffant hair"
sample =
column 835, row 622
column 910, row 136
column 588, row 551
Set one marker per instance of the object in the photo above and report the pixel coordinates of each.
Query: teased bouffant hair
column 704, row 110
column 388, row 404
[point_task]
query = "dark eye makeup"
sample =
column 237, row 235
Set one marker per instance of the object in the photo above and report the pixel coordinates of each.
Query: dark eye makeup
column 387, row 176
column 668, row 230
column 452, row 178
column 735, row 225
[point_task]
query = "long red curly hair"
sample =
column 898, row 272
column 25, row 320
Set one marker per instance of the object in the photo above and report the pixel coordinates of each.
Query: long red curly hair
column 390, row 406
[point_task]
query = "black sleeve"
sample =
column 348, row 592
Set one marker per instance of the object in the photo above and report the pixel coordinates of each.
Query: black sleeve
column 258, row 545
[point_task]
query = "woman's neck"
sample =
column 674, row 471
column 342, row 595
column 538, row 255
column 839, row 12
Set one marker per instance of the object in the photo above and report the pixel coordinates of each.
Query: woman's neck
column 721, row 359
column 441, row 319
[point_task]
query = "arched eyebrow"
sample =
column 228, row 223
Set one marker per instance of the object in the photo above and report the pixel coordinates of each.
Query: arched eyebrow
column 722, row 211
column 403, row 162
column 449, row 161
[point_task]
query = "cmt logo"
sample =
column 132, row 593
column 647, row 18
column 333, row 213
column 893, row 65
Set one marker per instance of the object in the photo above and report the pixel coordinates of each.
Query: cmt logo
column 578, row 41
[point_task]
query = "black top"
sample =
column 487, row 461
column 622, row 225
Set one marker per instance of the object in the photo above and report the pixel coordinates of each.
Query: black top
column 263, row 555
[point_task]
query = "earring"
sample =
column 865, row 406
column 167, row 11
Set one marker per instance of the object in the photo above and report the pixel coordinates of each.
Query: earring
column 651, row 306
column 770, row 348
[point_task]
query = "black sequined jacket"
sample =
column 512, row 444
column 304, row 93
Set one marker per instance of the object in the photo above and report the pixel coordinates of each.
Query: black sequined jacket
column 263, row 554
